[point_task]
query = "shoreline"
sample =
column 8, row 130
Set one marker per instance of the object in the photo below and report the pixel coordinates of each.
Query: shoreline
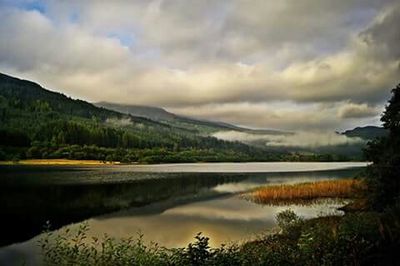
column 58, row 162
column 63, row 162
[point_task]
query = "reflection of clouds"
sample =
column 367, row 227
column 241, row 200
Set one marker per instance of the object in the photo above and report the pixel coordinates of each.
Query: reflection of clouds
column 227, row 219
column 259, row 167
column 227, row 209
column 296, row 179
column 257, row 181
column 177, row 230
column 223, row 220
column 235, row 187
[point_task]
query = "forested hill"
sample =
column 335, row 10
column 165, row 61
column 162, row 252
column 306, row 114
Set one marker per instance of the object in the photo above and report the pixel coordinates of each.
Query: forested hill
column 31, row 96
column 367, row 132
column 154, row 113
column 38, row 123
column 200, row 126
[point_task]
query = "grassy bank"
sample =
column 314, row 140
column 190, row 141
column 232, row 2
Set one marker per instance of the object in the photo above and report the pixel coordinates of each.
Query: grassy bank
column 56, row 162
column 307, row 192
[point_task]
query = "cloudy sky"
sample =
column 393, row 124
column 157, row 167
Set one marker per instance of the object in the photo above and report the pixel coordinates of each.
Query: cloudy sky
column 288, row 64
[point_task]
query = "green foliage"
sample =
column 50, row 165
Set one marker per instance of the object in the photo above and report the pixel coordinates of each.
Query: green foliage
column 14, row 138
column 384, row 173
column 3, row 155
column 198, row 253
column 55, row 126
column 47, row 124
column 16, row 159
column 355, row 239
column 289, row 223
column 74, row 248
column 391, row 116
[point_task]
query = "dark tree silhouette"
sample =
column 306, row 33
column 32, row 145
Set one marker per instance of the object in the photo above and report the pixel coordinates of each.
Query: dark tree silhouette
column 384, row 174
column 391, row 116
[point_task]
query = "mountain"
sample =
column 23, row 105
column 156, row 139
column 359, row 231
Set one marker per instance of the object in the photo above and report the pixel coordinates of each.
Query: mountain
column 367, row 132
column 39, row 123
column 154, row 113
column 188, row 123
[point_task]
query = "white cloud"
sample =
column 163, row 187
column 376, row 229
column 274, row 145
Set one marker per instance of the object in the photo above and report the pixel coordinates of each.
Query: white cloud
column 298, row 139
column 276, row 115
column 224, row 60
column 353, row 110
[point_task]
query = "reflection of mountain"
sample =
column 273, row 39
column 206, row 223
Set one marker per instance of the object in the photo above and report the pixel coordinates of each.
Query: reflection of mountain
column 28, row 206
column 236, row 183
column 31, row 196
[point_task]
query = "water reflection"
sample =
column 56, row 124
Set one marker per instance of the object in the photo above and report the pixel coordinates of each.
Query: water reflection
column 30, row 196
column 255, row 180
column 224, row 219
column 27, row 206
column 169, row 208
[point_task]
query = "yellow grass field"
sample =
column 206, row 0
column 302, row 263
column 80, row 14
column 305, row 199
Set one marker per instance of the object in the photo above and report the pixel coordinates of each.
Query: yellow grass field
column 56, row 162
column 303, row 192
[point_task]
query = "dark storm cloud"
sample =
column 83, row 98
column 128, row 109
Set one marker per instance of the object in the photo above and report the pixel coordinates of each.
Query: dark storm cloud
column 328, row 61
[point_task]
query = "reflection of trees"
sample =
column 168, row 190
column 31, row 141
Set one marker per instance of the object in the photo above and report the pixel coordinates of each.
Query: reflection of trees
column 28, row 207
column 30, row 197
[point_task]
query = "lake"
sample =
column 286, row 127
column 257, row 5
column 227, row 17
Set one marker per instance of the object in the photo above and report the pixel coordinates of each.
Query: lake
column 168, row 204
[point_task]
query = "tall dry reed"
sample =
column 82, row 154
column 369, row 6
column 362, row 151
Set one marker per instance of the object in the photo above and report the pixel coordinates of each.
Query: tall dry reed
column 343, row 188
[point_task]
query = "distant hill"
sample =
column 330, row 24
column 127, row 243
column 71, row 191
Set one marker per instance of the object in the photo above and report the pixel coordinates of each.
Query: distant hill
column 154, row 113
column 193, row 124
column 27, row 94
column 39, row 123
column 367, row 132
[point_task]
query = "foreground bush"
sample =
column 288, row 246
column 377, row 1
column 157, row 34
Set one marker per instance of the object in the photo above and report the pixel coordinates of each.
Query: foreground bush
column 354, row 239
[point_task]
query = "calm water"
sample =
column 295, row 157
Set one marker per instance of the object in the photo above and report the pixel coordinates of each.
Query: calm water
column 169, row 204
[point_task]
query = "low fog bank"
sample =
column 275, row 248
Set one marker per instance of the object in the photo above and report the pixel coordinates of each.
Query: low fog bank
column 301, row 139
column 119, row 122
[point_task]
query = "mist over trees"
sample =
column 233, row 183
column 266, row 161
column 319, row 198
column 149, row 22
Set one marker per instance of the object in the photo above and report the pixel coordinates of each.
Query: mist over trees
column 38, row 123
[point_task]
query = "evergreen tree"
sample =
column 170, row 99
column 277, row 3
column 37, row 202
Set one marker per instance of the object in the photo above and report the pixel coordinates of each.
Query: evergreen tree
column 384, row 153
